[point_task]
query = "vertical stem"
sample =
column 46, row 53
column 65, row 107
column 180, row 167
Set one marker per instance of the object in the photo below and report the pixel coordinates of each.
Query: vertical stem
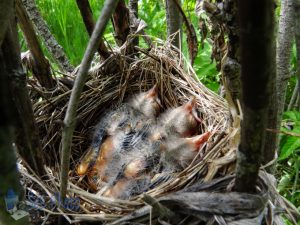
column 297, row 40
column 133, row 10
column 69, row 121
column 280, row 78
column 87, row 16
column 174, row 21
column 50, row 42
column 295, row 185
column 9, row 177
column 231, row 67
column 284, row 50
column 294, row 96
column 297, row 103
column 121, row 22
column 257, row 35
column 6, row 12
column 41, row 67
column 272, row 138
column 27, row 135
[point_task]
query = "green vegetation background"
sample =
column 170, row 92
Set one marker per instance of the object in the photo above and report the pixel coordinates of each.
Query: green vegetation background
column 65, row 23
column 64, row 20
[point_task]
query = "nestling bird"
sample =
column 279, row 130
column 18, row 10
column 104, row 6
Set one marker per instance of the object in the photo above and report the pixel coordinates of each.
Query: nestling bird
column 138, row 163
column 130, row 144
column 179, row 152
column 126, row 188
column 119, row 130
column 122, row 184
column 112, row 123
column 182, row 121
column 134, row 176
column 147, row 103
column 99, row 169
column 176, row 153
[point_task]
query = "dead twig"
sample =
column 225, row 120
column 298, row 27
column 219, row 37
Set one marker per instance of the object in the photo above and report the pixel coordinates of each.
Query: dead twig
column 69, row 121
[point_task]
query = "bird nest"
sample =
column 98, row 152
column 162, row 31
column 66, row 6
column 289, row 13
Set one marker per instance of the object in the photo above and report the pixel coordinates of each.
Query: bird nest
column 179, row 198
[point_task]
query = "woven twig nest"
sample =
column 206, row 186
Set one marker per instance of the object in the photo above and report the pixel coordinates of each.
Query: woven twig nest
column 176, row 82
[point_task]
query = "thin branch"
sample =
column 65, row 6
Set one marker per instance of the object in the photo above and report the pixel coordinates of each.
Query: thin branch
column 50, row 42
column 87, row 16
column 284, row 132
column 6, row 11
column 36, row 60
column 69, row 121
column 191, row 34
column 294, row 96
column 188, row 24
column 284, row 49
column 121, row 22
column 174, row 22
column 133, row 15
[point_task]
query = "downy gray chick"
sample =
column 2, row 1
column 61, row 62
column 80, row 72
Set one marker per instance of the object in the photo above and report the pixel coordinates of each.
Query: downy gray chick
column 137, row 165
column 182, row 121
column 179, row 152
column 117, row 131
column 146, row 103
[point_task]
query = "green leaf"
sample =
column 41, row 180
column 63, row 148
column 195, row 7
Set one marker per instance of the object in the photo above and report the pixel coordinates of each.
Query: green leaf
column 291, row 144
column 284, row 182
column 292, row 115
column 213, row 86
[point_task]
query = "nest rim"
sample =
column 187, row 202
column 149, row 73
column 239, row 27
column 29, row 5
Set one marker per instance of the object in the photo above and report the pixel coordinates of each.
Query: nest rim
column 176, row 81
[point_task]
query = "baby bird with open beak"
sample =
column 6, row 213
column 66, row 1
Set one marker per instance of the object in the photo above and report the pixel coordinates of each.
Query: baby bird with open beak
column 179, row 152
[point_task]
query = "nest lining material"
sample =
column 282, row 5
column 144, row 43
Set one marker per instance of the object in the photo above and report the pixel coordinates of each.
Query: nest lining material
column 176, row 82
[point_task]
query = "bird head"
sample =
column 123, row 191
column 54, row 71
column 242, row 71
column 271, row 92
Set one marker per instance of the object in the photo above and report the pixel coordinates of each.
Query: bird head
column 152, row 99
column 190, row 108
column 191, row 119
column 147, row 103
column 197, row 141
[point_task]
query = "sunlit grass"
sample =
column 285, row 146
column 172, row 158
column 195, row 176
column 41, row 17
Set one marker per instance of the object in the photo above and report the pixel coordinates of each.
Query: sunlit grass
column 65, row 22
